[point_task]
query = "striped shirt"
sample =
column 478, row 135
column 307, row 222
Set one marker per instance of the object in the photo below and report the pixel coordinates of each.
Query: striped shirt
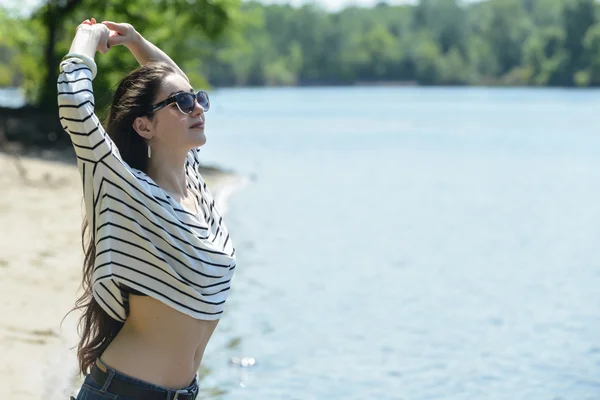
column 144, row 239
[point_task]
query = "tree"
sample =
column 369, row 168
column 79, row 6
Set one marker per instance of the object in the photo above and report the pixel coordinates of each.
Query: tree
column 591, row 47
column 446, row 19
column 578, row 17
column 159, row 20
column 539, row 42
column 428, row 61
column 509, row 28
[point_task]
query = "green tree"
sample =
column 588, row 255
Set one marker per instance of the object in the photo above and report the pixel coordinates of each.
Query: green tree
column 578, row 17
column 546, row 13
column 545, row 57
column 508, row 29
column 591, row 46
column 454, row 69
column 159, row 20
column 538, row 42
column 482, row 60
column 446, row 20
column 428, row 60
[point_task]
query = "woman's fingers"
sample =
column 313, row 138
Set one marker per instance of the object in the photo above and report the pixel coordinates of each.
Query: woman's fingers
column 103, row 45
column 113, row 26
column 115, row 33
column 116, row 39
column 120, row 33
column 86, row 22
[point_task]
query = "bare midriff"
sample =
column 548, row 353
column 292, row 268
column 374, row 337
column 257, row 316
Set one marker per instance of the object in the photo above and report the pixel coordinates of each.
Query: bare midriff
column 158, row 344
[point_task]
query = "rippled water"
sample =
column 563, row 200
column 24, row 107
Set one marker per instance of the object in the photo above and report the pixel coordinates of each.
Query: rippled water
column 406, row 243
column 411, row 244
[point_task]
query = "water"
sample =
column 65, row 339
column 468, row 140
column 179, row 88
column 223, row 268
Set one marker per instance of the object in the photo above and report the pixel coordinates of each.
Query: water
column 11, row 97
column 406, row 243
column 409, row 243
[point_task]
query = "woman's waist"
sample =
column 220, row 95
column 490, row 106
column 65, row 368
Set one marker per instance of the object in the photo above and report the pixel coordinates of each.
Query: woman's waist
column 119, row 384
column 176, row 342
column 159, row 344
column 153, row 325
column 170, row 363
column 155, row 368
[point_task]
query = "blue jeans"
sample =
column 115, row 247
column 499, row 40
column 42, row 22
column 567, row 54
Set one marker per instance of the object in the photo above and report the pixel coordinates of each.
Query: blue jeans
column 91, row 390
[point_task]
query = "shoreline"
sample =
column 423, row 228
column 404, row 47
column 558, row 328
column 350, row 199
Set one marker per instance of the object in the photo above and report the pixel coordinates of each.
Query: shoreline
column 40, row 266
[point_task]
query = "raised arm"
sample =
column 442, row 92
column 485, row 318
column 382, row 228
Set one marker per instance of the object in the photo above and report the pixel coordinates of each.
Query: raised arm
column 89, row 39
column 76, row 97
column 143, row 50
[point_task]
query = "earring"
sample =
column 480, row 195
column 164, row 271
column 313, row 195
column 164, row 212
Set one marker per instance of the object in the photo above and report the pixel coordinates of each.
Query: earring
column 149, row 150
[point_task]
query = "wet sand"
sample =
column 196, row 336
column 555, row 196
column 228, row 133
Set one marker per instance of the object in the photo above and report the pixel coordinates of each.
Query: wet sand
column 40, row 273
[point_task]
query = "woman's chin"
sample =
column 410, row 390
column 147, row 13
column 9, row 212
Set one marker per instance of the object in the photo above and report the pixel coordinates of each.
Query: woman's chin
column 199, row 139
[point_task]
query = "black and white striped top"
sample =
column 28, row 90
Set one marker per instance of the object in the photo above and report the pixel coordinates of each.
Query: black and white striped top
column 144, row 239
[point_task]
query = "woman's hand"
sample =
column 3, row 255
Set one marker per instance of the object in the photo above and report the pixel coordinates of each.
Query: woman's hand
column 143, row 51
column 121, row 33
column 100, row 31
column 86, row 22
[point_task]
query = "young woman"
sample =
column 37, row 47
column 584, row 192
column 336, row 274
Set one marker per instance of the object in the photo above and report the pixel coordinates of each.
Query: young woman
column 159, row 263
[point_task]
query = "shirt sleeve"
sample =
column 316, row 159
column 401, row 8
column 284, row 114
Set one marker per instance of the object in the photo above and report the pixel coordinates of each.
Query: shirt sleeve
column 98, row 158
column 76, row 111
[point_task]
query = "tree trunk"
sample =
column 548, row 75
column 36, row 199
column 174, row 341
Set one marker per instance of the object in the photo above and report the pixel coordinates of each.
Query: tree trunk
column 52, row 17
column 47, row 101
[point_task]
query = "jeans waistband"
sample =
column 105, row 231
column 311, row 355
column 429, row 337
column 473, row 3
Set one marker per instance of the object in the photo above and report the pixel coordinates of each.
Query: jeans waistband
column 113, row 381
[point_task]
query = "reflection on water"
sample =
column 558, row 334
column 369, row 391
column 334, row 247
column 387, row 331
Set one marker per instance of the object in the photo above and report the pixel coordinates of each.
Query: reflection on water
column 407, row 243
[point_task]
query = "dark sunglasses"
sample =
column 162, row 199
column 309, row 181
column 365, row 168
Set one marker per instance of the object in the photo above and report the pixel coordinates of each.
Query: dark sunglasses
column 185, row 102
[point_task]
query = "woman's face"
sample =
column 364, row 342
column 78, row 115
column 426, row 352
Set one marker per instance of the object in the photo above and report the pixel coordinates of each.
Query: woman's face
column 170, row 128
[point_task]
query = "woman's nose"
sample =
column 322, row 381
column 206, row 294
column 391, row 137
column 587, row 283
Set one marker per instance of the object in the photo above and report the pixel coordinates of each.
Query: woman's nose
column 198, row 109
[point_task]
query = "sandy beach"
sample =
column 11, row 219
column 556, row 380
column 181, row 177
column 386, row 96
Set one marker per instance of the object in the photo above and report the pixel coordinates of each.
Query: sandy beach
column 40, row 272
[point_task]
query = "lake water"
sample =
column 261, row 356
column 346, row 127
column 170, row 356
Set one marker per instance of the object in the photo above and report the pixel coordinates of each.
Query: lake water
column 11, row 97
column 410, row 243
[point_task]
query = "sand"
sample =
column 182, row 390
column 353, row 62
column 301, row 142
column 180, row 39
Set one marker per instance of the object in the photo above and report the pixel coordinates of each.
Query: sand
column 40, row 273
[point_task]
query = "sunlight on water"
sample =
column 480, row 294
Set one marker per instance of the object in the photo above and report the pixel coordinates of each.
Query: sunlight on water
column 410, row 244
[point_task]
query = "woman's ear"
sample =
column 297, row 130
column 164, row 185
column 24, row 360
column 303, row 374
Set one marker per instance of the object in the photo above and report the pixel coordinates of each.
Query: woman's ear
column 143, row 127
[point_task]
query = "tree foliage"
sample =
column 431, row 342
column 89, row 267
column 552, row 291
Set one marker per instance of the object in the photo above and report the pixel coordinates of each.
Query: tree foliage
column 434, row 42
column 225, row 43
column 35, row 44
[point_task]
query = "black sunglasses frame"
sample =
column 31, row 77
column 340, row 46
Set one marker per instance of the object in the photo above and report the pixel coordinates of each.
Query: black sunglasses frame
column 181, row 95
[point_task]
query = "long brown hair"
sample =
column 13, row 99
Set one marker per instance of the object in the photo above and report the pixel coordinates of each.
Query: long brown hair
column 134, row 95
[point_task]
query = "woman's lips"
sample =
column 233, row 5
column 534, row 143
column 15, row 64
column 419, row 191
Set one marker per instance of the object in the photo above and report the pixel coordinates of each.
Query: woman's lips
column 197, row 125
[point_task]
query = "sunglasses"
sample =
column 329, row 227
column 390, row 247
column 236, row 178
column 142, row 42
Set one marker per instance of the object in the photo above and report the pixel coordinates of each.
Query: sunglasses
column 186, row 102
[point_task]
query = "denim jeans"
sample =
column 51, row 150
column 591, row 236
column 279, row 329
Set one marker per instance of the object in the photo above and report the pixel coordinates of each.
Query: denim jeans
column 91, row 390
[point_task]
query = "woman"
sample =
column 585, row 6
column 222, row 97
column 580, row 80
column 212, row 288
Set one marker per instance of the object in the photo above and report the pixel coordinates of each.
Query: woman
column 159, row 264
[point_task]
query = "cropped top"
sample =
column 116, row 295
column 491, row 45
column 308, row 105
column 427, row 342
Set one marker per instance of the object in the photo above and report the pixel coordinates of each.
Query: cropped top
column 144, row 238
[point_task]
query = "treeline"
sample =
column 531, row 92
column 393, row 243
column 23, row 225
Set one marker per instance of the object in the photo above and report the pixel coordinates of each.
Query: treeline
column 436, row 42
column 31, row 46
column 230, row 43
